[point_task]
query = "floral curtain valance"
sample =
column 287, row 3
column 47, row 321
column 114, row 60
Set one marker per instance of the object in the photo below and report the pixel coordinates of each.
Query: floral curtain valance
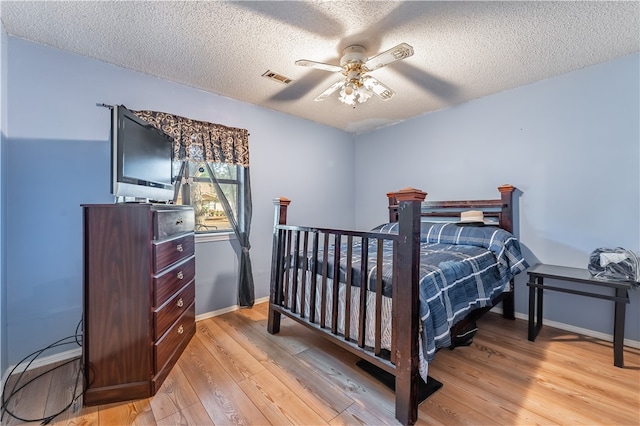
column 200, row 140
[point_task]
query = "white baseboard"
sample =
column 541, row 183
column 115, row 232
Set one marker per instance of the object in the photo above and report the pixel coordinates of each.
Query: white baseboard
column 212, row 314
column 579, row 330
column 573, row 329
column 43, row 361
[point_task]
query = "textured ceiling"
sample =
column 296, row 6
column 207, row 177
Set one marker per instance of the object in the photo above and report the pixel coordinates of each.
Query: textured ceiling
column 463, row 50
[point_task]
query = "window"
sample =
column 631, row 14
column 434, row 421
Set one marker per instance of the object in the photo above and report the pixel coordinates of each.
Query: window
column 197, row 190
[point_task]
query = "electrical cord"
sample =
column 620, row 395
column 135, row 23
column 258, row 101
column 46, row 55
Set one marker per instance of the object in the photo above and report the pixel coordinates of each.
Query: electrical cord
column 34, row 355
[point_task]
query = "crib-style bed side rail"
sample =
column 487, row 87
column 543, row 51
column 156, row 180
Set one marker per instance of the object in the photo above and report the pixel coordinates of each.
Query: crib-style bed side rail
column 296, row 281
column 319, row 264
column 306, row 262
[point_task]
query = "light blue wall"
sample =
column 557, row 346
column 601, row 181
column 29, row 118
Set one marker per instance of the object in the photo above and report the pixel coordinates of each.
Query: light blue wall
column 570, row 144
column 3, row 205
column 58, row 159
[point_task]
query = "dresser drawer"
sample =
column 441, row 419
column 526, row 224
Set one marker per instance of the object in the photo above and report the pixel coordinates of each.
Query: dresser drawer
column 172, row 221
column 172, row 280
column 168, row 252
column 170, row 311
column 175, row 337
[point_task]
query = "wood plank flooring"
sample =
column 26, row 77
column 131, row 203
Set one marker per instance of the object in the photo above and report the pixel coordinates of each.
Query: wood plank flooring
column 234, row 373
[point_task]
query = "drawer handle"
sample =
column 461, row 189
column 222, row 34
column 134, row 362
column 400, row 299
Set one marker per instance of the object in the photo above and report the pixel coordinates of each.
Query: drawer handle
column 180, row 329
column 179, row 222
column 180, row 275
column 179, row 248
column 180, row 303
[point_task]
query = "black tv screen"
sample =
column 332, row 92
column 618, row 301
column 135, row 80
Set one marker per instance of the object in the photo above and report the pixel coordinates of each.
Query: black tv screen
column 142, row 159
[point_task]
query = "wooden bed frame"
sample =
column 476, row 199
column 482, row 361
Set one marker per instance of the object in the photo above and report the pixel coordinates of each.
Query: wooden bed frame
column 407, row 207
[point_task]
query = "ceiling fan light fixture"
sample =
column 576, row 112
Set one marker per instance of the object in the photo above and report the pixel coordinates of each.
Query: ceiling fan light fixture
column 348, row 94
column 354, row 91
column 364, row 93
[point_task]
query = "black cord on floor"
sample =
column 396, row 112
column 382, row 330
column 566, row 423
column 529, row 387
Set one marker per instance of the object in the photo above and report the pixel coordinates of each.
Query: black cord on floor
column 77, row 338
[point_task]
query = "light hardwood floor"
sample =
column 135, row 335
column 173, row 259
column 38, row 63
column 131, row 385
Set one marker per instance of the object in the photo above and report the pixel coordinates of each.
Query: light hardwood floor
column 234, row 372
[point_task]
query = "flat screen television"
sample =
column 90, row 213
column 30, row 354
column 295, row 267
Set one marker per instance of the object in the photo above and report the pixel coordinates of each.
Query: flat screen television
column 141, row 159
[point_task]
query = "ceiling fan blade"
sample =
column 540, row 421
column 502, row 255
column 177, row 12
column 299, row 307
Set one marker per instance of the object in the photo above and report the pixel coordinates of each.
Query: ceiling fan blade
column 429, row 83
column 300, row 88
column 310, row 18
column 324, row 95
column 318, row 65
column 378, row 88
column 401, row 51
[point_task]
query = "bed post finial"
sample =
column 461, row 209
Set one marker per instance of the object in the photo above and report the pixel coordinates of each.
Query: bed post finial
column 506, row 215
column 410, row 194
column 281, row 210
column 506, row 188
column 404, row 193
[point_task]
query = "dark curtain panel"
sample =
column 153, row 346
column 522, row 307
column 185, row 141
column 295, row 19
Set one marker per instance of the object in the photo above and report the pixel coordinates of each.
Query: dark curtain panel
column 241, row 226
column 201, row 141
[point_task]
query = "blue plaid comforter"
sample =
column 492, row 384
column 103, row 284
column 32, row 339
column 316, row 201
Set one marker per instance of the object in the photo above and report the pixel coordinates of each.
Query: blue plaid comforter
column 461, row 268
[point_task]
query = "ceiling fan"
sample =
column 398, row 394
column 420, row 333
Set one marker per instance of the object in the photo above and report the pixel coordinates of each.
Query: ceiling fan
column 357, row 85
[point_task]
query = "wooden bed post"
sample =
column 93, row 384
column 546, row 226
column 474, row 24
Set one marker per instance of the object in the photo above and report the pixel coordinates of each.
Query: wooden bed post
column 275, row 296
column 506, row 215
column 393, row 207
column 406, row 302
column 506, row 223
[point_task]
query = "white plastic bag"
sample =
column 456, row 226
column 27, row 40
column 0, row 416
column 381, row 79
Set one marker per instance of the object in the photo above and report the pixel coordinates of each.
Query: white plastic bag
column 616, row 264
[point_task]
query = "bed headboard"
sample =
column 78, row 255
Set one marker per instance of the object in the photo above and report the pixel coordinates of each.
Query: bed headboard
column 499, row 209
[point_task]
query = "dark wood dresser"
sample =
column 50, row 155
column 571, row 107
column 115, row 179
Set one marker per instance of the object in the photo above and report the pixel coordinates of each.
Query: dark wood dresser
column 139, row 293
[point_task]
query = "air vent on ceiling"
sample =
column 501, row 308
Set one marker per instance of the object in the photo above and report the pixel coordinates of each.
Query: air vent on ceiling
column 277, row 77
